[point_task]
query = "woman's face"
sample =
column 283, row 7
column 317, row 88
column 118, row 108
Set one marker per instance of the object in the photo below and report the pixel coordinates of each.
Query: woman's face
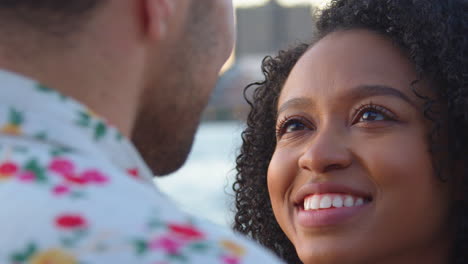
column 351, row 178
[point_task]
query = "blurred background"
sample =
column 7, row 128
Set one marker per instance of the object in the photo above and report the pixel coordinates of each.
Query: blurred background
column 203, row 186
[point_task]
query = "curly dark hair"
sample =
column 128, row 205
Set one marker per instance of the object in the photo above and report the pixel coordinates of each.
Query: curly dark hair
column 433, row 34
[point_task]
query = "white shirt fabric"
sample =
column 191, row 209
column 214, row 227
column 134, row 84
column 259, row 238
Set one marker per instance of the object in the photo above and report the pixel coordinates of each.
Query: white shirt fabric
column 75, row 191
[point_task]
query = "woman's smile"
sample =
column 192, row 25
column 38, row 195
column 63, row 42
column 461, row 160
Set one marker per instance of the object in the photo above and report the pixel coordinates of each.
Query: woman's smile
column 327, row 205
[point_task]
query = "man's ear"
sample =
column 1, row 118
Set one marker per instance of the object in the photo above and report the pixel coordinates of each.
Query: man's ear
column 157, row 17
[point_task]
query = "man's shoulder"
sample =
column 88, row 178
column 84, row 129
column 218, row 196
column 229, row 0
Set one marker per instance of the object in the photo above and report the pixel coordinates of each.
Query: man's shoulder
column 79, row 202
column 224, row 245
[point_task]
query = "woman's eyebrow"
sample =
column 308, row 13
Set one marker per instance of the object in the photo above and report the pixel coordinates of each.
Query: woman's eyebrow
column 298, row 102
column 357, row 93
column 364, row 91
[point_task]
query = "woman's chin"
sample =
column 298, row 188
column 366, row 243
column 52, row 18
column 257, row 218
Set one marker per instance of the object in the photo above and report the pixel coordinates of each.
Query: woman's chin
column 329, row 251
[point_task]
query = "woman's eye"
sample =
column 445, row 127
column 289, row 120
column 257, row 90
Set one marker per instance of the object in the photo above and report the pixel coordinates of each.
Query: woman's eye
column 293, row 125
column 372, row 115
column 290, row 126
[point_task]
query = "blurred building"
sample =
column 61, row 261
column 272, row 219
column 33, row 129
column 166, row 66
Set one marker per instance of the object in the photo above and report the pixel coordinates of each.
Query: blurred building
column 261, row 31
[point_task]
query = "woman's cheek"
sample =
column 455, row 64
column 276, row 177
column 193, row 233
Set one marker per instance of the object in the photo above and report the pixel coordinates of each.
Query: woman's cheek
column 398, row 161
column 280, row 179
column 401, row 168
column 281, row 172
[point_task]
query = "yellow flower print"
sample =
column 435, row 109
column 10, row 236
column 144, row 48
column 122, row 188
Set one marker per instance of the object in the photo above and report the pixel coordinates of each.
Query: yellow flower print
column 11, row 129
column 53, row 256
column 233, row 248
column 15, row 120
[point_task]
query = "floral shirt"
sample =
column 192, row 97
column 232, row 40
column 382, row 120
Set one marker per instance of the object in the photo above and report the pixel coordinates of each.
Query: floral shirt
column 75, row 191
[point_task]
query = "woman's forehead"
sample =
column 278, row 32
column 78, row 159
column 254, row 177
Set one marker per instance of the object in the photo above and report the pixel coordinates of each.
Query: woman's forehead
column 344, row 60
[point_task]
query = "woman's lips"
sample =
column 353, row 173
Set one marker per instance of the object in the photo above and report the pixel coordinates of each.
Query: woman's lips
column 326, row 204
column 330, row 216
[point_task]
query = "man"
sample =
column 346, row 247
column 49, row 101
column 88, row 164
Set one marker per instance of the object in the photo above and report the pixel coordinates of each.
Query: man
column 73, row 188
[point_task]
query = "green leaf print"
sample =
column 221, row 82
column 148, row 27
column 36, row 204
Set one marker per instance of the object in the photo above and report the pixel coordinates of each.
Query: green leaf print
column 21, row 257
column 18, row 258
column 199, row 247
column 100, row 130
column 119, row 136
column 45, row 89
column 99, row 127
column 80, row 233
column 141, row 246
column 84, row 119
column 41, row 136
column 156, row 224
column 31, row 250
column 59, row 151
column 34, row 167
column 67, row 242
column 16, row 117
column 74, row 239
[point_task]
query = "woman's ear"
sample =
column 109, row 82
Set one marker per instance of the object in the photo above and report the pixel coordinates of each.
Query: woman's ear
column 157, row 15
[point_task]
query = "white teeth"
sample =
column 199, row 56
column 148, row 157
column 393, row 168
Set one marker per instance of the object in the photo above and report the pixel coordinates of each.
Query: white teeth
column 315, row 202
column 337, row 202
column 306, row 204
column 359, row 201
column 349, row 201
column 326, row 202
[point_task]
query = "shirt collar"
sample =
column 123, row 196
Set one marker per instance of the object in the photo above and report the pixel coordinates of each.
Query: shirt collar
column 37, row 112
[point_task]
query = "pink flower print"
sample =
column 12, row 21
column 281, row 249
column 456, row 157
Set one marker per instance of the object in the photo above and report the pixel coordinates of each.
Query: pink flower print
column 61, row 190
column 230, row 260
column 7, row 170
column 62, row 166
column 70, row 221
column 75, row 179
column 168, row 244
column 134, row 173
column 186, row 232
column 27, row 176
column 95, row 177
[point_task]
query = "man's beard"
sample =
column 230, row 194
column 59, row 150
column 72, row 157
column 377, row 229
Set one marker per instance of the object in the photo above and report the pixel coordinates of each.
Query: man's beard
column 169, row 115
column 166, row 123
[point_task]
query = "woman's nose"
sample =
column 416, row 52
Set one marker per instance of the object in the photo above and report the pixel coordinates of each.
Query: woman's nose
column 326, row 151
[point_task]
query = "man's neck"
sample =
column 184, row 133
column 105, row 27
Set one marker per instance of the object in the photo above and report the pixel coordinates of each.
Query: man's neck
column 93, row 78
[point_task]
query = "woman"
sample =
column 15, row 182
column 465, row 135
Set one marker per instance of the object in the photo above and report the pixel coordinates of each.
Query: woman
column 356, row 145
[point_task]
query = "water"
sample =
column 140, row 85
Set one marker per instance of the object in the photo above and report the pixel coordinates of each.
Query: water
column 202, row 186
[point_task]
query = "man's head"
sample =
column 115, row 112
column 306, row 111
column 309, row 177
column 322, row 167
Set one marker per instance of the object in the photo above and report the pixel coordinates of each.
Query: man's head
column 177, row 91
column 148, row 66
